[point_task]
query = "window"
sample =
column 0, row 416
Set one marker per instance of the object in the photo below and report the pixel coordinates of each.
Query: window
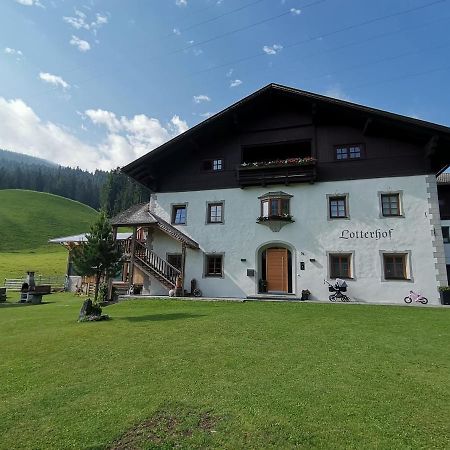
column 179, row 213
column 395, row 266
column 215, row 212
column 338, row 207
column 346, row 152
column 390, row 205
column 214, row 266
column 446, row 235
column 275, row 208
column 340, row 265
column 213, row 165
column 174, row 259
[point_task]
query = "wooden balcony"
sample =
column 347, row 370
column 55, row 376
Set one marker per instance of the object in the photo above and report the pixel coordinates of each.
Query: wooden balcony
column 277, row 174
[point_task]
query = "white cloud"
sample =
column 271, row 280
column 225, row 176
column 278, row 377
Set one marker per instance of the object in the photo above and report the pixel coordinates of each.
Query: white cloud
column 235, row 83
column 99, row 20
column 81, row 44
column 30, row 3
column 13, row 52
column 201, row 98
column 230, row 72
column 53, row 79
column 81, row 21
column 181, row 2
column 176, row 31
column 129, row 138
column 21, row 129
column 273, row 50
column 77, row 22
column 206, row 115
column 295, row 11
column 106, row 118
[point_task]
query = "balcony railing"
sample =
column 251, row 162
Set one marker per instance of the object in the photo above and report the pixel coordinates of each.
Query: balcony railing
column 262, row 174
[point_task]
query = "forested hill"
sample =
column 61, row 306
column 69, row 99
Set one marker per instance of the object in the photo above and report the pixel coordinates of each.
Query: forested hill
column 112, row 191
column 6, row 155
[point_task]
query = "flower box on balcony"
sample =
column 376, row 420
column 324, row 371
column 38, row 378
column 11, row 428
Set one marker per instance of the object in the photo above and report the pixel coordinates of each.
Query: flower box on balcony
column 294, row 170
column 275, row 223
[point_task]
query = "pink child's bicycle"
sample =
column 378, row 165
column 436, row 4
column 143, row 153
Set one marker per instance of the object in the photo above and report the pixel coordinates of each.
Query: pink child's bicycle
column 414, row 297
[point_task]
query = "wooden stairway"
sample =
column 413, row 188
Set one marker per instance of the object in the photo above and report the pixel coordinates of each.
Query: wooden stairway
column 153, row 265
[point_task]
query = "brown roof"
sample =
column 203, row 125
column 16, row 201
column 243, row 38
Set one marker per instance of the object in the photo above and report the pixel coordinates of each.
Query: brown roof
column 140, row 215
column 134, row 168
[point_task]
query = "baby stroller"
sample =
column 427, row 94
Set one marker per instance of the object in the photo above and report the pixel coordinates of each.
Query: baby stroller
column 337, row 290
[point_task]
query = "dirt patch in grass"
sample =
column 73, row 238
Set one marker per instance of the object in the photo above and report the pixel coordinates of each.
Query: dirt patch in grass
column 175, row 426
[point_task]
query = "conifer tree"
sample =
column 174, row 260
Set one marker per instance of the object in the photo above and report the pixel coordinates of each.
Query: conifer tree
column 99, row 256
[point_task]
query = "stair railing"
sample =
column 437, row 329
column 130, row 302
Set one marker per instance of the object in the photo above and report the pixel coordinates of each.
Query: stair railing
column 156, row 263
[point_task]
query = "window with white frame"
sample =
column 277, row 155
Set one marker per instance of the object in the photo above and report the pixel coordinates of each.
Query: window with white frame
column 337, row 207
column 213, row 165
column 348, row 152
column 390, row 204
column 215, row 212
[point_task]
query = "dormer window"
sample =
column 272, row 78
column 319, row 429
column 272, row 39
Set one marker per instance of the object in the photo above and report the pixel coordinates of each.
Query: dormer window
column 275, row 210
column 213, row 165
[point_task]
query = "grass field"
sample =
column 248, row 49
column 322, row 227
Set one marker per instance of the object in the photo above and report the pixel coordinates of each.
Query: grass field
column 172, row 374
column 27, row 221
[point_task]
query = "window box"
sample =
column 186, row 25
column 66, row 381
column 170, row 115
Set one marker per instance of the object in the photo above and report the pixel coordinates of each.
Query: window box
column 292, row 170
column 284, row 218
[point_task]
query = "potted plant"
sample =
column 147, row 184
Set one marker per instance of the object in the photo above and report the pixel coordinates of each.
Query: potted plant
column 445, row 294
column 305, row 294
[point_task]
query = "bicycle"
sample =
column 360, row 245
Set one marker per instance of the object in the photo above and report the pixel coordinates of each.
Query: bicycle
column 415, row 297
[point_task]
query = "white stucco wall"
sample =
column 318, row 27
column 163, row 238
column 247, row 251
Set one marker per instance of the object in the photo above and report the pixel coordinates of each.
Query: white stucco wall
column 312, row 236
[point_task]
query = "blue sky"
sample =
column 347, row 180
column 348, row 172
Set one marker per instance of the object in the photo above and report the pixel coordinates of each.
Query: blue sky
column 97, row 83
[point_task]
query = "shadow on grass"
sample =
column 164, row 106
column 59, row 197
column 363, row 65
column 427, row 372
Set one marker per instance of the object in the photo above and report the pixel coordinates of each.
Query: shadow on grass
column 161, row 317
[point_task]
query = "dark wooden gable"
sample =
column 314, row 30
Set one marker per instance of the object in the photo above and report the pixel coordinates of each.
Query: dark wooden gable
column 393, row 145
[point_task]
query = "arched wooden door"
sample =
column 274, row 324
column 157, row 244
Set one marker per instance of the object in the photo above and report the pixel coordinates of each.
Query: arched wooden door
column 277, row 270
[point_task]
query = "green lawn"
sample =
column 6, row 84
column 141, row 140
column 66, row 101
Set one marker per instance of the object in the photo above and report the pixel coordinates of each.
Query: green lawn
column 45, row 261
column 224, row 375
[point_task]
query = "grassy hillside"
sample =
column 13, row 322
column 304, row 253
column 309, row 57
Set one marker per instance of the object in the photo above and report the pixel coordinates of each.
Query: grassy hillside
column 29, row 219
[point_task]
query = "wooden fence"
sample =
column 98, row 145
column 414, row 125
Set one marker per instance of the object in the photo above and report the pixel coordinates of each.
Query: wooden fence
column 56, row 282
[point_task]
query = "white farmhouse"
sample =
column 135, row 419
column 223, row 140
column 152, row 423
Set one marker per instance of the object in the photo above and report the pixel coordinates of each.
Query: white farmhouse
column 285, row 189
